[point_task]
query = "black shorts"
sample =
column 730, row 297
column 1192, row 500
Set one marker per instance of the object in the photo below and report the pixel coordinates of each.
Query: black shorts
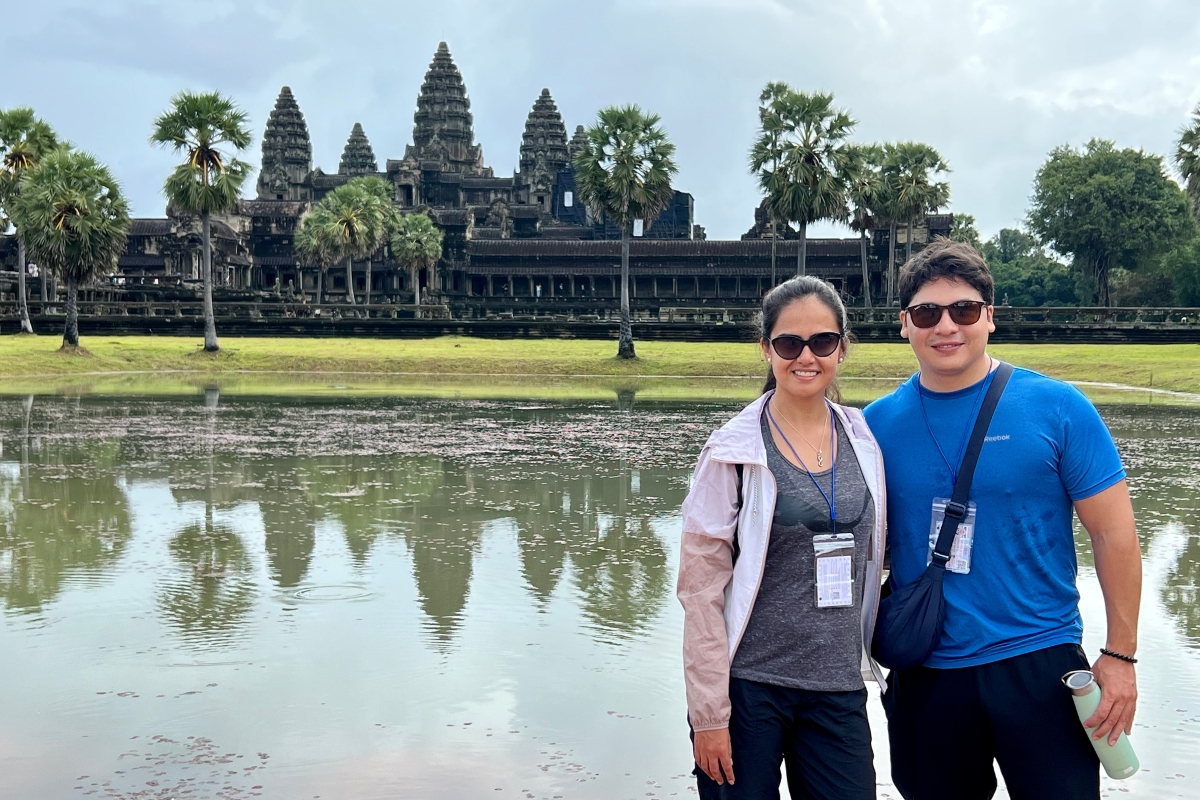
column 822, row 736
column 946, row 727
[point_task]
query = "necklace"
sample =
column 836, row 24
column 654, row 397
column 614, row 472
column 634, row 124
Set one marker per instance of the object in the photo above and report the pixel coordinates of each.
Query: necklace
column 820, row 450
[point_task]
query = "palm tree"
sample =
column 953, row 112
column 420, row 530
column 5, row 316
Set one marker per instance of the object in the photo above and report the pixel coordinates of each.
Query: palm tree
column 800, row 157
column 623, row 171
column 24, row 139
column 864, row 185
column 351, row 222
column 72, row 218
column 201, row 125
column 1187, row 159
column 417, row 244
column 887, row 210
column 914, row 168
column 380, row 192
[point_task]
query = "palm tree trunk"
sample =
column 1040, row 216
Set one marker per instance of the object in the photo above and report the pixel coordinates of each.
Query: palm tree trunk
column 350, row 280
column 802, row 251
column 71, row 332
column 908, row 242
column 210, row 322
column 891, row 263
column 866, row 273
column 416, row 284
column 320, row 286
column 43, row 276
column 368, row 300
column 26, row 327
column 772, row 251
column 625, row 338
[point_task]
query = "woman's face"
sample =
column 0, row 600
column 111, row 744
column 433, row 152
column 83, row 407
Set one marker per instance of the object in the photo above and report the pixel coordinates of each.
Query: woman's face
column 807, row 375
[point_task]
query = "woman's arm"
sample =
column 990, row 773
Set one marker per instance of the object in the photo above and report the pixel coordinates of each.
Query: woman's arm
column 705, row 569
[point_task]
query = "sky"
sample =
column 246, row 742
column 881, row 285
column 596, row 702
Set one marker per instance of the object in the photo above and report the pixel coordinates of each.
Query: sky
column 993, row 85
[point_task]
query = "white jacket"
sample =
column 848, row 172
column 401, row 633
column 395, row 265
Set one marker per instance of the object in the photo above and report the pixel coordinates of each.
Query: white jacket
column 718, row 595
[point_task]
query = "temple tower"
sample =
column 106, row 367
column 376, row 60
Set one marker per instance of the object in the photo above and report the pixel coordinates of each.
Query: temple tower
column 577, row 142
column 358, row 158
column 286, row 153
column 543, row 152
column 442, row 125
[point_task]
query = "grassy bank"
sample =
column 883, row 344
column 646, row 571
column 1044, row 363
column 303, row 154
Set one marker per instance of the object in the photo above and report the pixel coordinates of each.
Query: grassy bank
column 27, row 361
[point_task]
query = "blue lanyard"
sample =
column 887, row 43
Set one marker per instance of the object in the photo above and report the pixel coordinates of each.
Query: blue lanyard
column 831, row 498
column 966, row 431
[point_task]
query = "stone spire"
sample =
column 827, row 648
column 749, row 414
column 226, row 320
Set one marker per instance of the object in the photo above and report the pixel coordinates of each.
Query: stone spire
column 577, row 142
column 358, row 158
column 442, row 129
column 544, row 145
column 286, row 152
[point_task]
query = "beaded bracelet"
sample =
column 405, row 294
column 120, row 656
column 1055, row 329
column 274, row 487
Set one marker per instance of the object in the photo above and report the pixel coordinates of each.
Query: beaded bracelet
column 1121, row 656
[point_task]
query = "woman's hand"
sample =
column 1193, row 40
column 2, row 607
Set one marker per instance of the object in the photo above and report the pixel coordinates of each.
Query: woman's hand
column 714, row 754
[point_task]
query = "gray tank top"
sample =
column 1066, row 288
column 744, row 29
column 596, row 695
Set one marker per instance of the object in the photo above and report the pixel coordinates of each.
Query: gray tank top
column 788, row 640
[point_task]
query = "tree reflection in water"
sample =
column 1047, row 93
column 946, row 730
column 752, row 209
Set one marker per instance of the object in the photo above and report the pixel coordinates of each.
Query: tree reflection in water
column 212, row 593
column 64, row 515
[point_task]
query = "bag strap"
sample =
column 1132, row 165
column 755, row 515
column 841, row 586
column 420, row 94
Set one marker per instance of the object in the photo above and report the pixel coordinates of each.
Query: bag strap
column 956, row 509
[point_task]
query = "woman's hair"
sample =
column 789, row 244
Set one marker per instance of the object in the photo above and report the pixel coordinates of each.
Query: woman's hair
column 789, row 292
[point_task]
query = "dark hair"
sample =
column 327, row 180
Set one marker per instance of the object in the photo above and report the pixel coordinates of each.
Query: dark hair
column 791, row 291
column 945, row 258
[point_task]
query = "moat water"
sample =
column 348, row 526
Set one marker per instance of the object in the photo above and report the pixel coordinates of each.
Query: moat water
column 375, row 597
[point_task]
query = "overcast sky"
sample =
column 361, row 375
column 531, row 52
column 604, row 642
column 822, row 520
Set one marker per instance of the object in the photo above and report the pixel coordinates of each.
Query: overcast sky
column 993, row 85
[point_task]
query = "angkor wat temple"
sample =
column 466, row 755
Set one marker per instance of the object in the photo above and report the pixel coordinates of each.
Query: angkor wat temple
column 513, row 245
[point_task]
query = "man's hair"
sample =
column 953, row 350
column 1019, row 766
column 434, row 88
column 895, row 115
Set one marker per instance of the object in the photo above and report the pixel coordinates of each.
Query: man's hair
column 945, row 258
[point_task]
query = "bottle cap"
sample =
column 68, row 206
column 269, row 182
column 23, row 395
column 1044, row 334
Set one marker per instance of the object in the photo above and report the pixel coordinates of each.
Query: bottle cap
column 1080, row 682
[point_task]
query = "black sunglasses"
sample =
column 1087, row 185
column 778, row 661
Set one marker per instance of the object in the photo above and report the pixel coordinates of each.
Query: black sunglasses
column 964, row 312
column 789, row 346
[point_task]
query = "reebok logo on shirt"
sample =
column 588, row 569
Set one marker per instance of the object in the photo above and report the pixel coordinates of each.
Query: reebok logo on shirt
column 1001, row 438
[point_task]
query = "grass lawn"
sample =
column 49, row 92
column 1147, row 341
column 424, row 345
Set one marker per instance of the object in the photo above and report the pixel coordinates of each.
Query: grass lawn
column 29, row 360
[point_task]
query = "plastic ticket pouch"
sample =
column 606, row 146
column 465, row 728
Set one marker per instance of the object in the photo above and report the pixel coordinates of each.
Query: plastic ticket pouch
column 834, row 569
column 964, row 538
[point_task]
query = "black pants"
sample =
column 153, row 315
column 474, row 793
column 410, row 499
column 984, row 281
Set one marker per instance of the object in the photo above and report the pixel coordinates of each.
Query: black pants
column 946, row 726
column 823, row 736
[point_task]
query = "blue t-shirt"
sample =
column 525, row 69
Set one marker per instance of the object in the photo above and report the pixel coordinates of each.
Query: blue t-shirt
column 1045, row 448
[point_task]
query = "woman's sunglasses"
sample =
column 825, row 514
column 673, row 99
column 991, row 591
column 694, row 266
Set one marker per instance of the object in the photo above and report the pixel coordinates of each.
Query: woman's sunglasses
column 788, row 346
column 964, row 312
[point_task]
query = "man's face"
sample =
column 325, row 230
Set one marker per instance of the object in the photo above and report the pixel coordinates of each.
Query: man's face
column 948, row 349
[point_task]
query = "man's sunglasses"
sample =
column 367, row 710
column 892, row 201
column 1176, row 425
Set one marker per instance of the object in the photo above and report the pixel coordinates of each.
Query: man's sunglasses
column 788, row 346
column 964, row 312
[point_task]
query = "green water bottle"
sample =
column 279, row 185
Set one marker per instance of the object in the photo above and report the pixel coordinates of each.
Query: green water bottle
column 1118, row 759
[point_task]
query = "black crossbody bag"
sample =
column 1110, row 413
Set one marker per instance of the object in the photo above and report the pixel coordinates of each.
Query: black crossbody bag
column 910, row 620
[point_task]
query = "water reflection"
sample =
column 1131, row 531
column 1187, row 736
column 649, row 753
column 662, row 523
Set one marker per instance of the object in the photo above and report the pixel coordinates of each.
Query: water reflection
column 580, row 486
column 64, row 515
column 211, row 594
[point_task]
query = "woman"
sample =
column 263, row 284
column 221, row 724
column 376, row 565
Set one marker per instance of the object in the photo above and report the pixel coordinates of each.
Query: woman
column 783, row 542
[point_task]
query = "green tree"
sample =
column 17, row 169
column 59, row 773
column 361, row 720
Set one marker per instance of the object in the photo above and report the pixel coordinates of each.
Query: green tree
column 864, row 188
column 24, row 139
column 73, row 220
column 912, row 169
column 623, row 171
column 1182, row 265
column 1024, row 274
column 351, row 222
column 801, row 158
column 1108, row 208
column 201, row 126
column 417, row 244
column 887, row 211
column 963, row 230
column 1187, row 160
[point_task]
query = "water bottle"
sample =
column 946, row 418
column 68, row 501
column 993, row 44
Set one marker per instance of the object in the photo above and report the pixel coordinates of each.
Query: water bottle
column 1118, row 759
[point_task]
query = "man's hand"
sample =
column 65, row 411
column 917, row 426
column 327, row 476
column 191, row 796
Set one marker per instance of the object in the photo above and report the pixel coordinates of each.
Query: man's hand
column 714, row 754
column 1118, row 703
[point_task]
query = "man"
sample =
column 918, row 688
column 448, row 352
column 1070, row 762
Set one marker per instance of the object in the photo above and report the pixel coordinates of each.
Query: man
column 992, row 689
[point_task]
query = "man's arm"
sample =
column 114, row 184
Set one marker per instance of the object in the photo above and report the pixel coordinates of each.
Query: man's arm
column 1108, row 518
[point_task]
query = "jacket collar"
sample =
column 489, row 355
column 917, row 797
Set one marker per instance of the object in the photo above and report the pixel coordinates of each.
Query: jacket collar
column 740, row 441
